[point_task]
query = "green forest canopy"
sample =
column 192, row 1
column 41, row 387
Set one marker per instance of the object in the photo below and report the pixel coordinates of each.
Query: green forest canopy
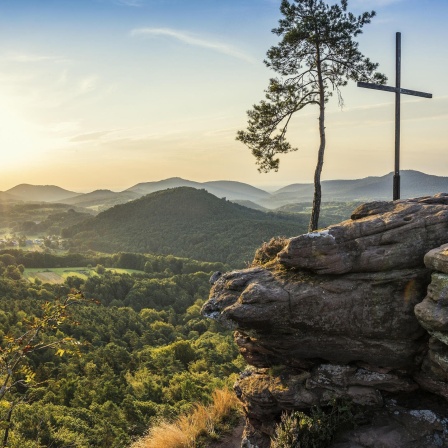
column 146, row 351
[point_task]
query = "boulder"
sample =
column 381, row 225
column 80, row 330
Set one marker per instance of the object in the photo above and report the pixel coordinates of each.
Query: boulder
column 379, row 237
column 346, row 313
column 432, row 312
column 437, row 259
column 294, row 317
column 398, row 427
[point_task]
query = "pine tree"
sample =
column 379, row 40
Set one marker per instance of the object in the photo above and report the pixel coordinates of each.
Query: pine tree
column 315, row 58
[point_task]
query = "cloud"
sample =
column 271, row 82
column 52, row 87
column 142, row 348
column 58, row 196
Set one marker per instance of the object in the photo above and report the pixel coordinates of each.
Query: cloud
column 192, row 40
column 134, row 3
column 89, row 137
column 374, row 3
column 87, row 84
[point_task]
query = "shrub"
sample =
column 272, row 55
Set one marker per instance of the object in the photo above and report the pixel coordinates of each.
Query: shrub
column 268, row 251
column 317, row 430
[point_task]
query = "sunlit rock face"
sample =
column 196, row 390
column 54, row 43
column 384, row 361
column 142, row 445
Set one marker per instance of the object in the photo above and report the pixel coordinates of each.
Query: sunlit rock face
column 295, row 317
column 381, row 236
column 332, row 316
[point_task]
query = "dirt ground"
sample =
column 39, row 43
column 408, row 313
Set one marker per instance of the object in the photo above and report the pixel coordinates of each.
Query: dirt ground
column 233, row 439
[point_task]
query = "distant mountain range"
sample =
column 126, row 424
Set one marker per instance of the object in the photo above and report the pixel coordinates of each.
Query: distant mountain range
column 413, row 184
column 221, row 188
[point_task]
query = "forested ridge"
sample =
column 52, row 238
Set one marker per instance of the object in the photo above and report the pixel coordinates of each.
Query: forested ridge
column 142, row 352
column 32, row 218
column 184, row 222
column 145, row 352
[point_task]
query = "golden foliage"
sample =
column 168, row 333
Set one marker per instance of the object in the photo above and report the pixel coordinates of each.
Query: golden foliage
column 186, row 430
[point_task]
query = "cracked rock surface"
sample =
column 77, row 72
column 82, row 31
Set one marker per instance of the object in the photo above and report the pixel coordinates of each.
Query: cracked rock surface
column 332, row 316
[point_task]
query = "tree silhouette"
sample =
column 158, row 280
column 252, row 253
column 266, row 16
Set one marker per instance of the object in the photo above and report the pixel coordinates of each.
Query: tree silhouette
column 315, row 58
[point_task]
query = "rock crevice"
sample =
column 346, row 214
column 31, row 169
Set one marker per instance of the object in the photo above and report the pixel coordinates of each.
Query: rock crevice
column 333, row 317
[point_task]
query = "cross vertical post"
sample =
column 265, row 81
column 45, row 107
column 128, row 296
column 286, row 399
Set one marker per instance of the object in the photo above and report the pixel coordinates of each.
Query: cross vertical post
column 396, row 192
column 398, row 91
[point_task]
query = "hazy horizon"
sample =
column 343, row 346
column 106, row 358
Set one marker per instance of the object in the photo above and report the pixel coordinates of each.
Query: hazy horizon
column 268, row 188
column 105, row 94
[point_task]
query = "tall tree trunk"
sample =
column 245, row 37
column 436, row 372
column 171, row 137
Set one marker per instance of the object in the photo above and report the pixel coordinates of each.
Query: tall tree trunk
column 314, row 220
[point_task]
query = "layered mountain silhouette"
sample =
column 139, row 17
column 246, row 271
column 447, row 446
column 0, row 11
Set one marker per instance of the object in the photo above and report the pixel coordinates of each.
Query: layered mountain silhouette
column 413, row 184
column 229, row 189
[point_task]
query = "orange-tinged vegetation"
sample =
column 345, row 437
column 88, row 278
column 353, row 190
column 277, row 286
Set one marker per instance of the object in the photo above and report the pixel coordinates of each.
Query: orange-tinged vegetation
column 188, row 431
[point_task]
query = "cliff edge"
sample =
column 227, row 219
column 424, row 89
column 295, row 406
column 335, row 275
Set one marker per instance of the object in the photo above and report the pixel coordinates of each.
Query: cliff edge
column 358, row 311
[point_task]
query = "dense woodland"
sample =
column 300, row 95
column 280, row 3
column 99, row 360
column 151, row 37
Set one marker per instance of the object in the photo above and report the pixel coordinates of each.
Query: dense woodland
column 145, row 351
column 39, row 218
column 185, row 222
column 142, row 351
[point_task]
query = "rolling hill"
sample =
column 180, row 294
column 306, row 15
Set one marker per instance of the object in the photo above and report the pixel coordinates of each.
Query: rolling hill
column 413, row 184
column 222, row 188
column 7, row 197
column 185, row 222
column 40, row 193
column 173, row 182
column 102, row 199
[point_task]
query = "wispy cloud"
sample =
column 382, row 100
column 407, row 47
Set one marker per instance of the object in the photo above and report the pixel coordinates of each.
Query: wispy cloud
column 89, row 137
column 88, row 84
column 190, row 39
column 374, row 3
column 134, row 3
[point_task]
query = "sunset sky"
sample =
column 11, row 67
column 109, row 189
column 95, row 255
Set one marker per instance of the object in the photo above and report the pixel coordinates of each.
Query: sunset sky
column 109, row 93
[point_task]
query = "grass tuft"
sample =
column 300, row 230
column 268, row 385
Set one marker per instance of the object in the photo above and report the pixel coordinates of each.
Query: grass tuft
column 192, row 430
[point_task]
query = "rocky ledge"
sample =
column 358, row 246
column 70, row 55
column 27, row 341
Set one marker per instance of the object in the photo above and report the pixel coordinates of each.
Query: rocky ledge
column 358, row 311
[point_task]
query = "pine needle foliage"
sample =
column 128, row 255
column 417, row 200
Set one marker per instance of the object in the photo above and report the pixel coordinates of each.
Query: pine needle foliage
column 315, row 58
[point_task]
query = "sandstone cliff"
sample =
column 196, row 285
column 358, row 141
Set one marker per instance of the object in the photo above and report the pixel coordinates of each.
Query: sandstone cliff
column 330, row 314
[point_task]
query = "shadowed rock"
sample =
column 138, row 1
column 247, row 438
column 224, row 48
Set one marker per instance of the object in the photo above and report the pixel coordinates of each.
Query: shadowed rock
column 432, row 314
column 332, row 316
column 355, row 317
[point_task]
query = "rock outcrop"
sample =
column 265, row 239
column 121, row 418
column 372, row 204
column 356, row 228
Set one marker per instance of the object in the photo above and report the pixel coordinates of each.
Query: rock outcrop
column 331, row 315
column 432, row 313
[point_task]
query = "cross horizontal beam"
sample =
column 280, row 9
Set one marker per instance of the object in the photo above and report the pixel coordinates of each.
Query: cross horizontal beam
column 398, row 91
column 368, row 85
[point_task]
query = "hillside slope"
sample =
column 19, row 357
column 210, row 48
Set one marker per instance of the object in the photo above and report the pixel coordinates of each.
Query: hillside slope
column 102, row 199
column 220, row 188
column 185, row 222
column 44, row 193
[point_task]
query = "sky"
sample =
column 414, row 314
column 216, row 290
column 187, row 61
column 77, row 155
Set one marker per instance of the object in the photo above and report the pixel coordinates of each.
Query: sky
column 109, row 93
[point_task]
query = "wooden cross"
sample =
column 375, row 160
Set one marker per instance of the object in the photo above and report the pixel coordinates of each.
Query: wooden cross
column 397, row 90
